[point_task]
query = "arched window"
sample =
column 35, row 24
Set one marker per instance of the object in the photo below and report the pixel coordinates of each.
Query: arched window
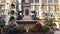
column 27, row 12
column 12, row 18
column 12, row 12
column 12, row 6
column 44, row 2
column 26, row 1
column 37, row 1
column 50, row 2
column 55, row 2
column 31, row 1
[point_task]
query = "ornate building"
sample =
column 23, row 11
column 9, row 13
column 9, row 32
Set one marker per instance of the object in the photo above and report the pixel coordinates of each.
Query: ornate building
column 25, row 10
column 30, row 10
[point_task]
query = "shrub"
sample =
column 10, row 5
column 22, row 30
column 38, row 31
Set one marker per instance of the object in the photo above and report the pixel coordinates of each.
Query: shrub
column 33, row 29
column 21, row 29
column 7, row 28
column 45, row 28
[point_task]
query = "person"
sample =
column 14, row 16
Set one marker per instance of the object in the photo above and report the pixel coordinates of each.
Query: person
column 38, row 26
column 13, row 30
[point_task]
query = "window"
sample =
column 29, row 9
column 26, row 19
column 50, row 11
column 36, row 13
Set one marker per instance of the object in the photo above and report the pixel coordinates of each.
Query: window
column 50, row 14
column 44, row 2
column 26, row 1
column 12, row 6
column 37, row 8
column 56, row 8
column 45, row 14
column 50, row 8
column 50, row 1
column 12, row 18
column 12, row 12
column 31, row 1
column 32, row 8
column 55, row 2
column 37, row 1
column 44, row 8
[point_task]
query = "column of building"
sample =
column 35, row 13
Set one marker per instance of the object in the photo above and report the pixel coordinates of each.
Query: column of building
column 59, row 11
column 20, row 12
column 33, row 10
column 59, row 4
column 6, row 11
column 33, row 5
column 40, row 12
column 20, row 5
column 57, row 23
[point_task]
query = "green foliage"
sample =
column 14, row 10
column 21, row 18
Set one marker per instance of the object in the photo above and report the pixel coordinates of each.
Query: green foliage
column 1, row 25
column 20, row 28
column 33, row 29
column 7, row 27
column 44, row 28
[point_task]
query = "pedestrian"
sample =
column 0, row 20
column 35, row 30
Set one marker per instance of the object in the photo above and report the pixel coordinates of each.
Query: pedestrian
column 13, row 30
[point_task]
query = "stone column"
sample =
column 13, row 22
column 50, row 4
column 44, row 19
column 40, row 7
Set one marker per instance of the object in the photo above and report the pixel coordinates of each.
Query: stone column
column 59, row 15
column 7, row 4
column 20, row 5
column 40, row 11
column 59, row 4
column 33, row 5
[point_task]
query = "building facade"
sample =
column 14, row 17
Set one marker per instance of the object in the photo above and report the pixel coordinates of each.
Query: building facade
column 28, row 10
